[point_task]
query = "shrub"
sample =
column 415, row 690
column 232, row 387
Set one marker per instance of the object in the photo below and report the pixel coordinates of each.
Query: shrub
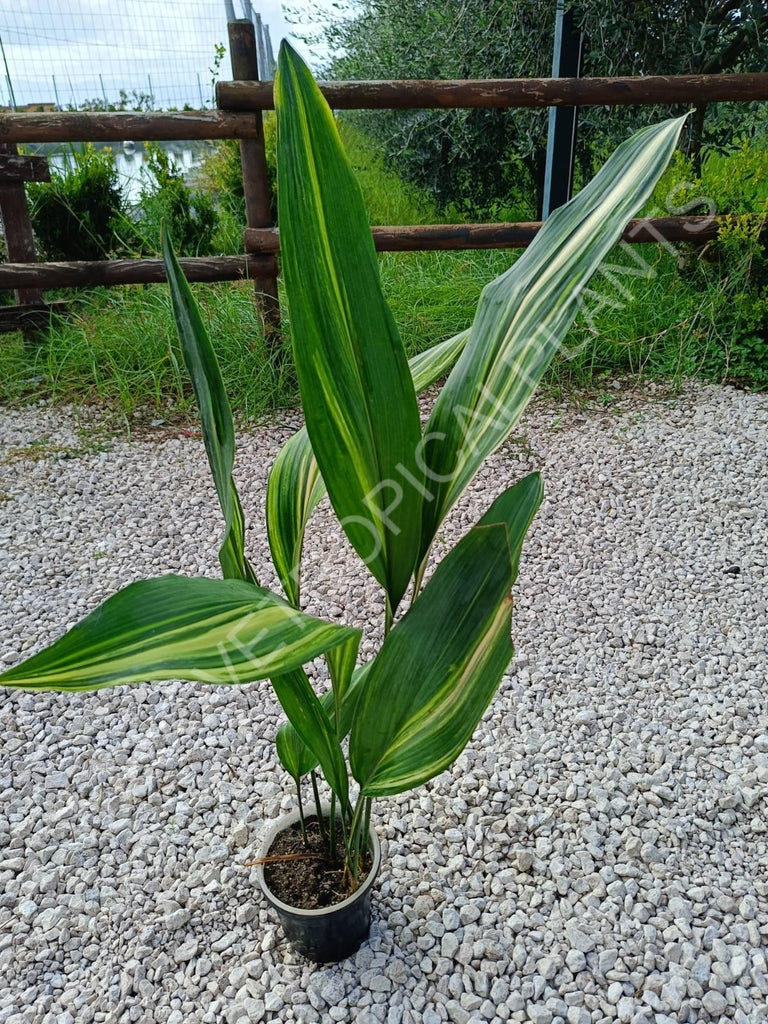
column 190, row 214
column 221, row 173
column 81, row 214
column 731, row 273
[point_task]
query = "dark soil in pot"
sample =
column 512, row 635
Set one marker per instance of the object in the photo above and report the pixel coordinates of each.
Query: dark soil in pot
column 324, row 933
column 305, row 876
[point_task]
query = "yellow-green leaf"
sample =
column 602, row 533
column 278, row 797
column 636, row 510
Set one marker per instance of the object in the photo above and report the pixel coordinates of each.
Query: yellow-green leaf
column 295, row 486
column 358, row 398
column 313, row 728
column 295, row 756
column 523, row 317
column 293, row 490
column 175, row 627
column 215, row 414
column 440, row 666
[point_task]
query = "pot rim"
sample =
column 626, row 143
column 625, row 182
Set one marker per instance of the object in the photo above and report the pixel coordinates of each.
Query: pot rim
column 281, row 825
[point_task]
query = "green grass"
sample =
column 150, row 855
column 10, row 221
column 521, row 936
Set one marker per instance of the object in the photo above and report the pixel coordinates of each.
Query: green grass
column 691, row 316
column 118, row 349
column 388, row 199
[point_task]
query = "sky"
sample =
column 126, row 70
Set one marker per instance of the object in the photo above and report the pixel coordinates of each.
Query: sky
column 82, row 49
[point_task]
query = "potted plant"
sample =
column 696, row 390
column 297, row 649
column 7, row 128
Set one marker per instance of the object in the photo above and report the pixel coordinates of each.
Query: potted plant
column 408, row 712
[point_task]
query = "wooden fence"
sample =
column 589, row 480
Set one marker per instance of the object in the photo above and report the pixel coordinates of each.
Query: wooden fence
column 241, row 103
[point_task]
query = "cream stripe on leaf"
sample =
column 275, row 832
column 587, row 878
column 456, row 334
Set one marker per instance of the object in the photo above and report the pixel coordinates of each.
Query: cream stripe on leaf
column 523, row 316
column 295, row 486
column 294, row 489
column 175, row 627
column 341, row 664
column 442, row 663
column 433, row 363
column 215, row 414
column 358, row 398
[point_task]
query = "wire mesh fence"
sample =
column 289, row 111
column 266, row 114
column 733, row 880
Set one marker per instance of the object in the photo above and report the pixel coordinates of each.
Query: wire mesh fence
column 127, row 55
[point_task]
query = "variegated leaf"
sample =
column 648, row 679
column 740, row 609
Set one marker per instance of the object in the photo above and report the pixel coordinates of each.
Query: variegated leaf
column 440, row 666
column 433, row 363
column 341, row 664
column 523, row 317
column 295, row 756
column 313, row 728
column 174, row 627
column 294, row 489
column 358, row 398
column 215, row 414
column 295, row 486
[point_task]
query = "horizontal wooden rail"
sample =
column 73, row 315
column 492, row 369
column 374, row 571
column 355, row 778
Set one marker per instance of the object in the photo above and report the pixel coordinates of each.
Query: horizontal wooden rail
column 264, row 242
column 14, row 168
column 91, row 274
column 425, row 237
column 95, row 126
column 238, row 98
column 30, row 316
column 512, row 92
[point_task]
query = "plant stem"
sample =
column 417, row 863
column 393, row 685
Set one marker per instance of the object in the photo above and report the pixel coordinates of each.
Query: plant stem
column 332, row 828
column 366, row 825
column 320, row 821
column 344, row 843
column 302, row 823
column 418, row 579
column 388, row 616
column 352, row 854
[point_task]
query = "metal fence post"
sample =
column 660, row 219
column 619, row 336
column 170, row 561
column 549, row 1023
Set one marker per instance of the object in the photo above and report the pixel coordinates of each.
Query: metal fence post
column 245, row 66
column 561, row 138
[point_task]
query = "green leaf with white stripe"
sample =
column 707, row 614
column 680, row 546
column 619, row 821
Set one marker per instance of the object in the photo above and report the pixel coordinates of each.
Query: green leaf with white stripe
column 313, row 728
column 295, row 756
column 358, row 398
column 175, row 627
column 523, row 317
column 215, row 414
column 294, row 489
column 433, row 363
column 295, row 486
column 300, row 754
column 341, row 664
column 442, row 663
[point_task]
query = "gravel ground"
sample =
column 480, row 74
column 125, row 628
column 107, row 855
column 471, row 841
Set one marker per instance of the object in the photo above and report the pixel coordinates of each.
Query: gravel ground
column 598, row 853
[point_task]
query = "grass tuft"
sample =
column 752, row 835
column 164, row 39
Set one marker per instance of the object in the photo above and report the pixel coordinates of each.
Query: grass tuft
column 688, row 314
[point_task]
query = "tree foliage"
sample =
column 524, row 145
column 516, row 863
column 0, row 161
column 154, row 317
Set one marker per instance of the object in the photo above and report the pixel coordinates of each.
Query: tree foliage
column 481, row 159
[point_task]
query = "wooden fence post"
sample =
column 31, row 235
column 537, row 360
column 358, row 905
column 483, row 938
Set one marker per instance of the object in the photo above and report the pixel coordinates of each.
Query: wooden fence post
column 19, row 245
column 245, row 67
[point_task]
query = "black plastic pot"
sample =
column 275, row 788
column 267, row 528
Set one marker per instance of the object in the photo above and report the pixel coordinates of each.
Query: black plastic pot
column 331, row 933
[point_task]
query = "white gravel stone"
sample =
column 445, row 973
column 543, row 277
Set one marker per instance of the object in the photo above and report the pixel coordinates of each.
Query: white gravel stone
column 539, row 1014
column 603, row 833
column 27, row 909
column 625, row 1008
column 177, row 919
column 578, row 1015
column 714, row 1003
column 673, row 993
column 606, row 960
column 575, row 960
column 578, row 938
column 186, row 951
